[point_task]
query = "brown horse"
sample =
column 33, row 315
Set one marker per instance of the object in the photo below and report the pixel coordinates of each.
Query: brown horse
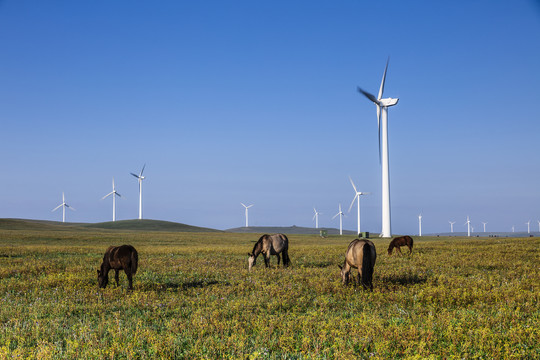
column 399, row 242
column 361, row 254
column 270, row 245
column 123, row 257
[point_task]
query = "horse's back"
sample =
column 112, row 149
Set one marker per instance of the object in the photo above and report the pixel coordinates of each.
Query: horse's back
column 355, row 251
column 122, row 257
column 279, row 242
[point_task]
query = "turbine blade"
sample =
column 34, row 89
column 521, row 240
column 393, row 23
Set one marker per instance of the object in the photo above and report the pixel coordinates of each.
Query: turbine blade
column 243, row 205
column 369, row 96
column 137, row 176
column 335, row 216
column 58, row 207
column 106, row 196
column 381, row 90
column 352, row 203
column 142, row 169
column 314, row 216
column 352, row 183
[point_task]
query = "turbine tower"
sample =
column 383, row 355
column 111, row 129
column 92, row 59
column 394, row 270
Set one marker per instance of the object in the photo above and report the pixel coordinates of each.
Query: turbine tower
column 247, row 207
column 114, row 194
column 538, row 225
column 452, row 226
column 528, row 226
column 357, row 195
column 140, row 177
column 468, row 223
column 420, row 225
column 340, row 214
column 316, row 218
column 484, row 223
column 64, row 206
column 382, row 121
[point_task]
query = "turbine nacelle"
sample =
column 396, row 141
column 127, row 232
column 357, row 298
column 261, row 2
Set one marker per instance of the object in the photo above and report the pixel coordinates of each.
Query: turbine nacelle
column 388, row 102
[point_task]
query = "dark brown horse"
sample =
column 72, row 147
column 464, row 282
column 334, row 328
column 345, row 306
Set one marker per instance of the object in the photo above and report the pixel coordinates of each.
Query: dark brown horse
column 123, row 257
column 270, row 245
column 361, row 254
column 399, row 242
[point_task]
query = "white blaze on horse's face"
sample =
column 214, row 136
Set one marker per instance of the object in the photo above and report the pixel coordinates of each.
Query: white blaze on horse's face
column 251, row 261
column 345, row 276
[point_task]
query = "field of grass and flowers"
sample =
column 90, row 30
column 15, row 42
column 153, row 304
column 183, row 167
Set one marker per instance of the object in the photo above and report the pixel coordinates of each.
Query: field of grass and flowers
column 466, row 298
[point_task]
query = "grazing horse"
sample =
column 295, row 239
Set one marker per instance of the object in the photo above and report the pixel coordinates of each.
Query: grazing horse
column 270, row 245
column 399, row 242
column 361, row 254
column 123, row 257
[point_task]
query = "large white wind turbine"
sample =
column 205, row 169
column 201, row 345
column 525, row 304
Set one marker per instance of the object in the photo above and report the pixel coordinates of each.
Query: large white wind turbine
column 247, row 207
column 140, row 177
column 357, row 195
column 63, row 205
column 114, row 194
column 382, row 121
column 340, row 214
column 452, row 226
column 316, row 218
column 468, row 223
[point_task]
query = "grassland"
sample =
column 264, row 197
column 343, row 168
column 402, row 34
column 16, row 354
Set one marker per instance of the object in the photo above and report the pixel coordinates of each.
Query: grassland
column 194, row 298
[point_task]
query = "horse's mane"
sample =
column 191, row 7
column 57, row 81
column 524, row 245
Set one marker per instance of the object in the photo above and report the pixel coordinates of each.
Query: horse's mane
column 258, row 243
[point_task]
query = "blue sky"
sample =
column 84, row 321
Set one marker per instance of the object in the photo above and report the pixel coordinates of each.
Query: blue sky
column 256, row 102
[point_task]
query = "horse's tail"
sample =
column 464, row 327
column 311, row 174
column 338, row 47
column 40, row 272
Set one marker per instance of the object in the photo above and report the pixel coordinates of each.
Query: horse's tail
column 367, row 267
column 286, row 258
column 134, row 261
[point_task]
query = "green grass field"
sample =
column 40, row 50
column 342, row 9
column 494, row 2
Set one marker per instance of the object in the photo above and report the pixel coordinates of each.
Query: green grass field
column 194, row 298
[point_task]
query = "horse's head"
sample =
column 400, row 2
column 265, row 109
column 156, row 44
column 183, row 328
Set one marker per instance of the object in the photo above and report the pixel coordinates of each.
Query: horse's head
column 103, row 279
column 251, row 261
column 390, row 250
column 345, row 275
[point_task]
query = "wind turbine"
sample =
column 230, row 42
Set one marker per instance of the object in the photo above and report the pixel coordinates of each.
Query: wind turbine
column 382, row 121
column 452, row 225
column 420, row 225
column 484, row 225
column 114, row 194
column 357, row 195
column 140, row 177
column 247, row 207
column 316, row 218
column 468, row 223
column 528, row 226
column 538, row 225
column 340, row 214
column 64, row 206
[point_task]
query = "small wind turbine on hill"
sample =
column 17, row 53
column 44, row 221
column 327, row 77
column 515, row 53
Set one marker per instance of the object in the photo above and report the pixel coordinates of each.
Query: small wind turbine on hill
column 140, row 178
column 420, row 225
column 114, row 194
column 316, row 218
column 452, row 226
column 382, row 108
column 340, row 214
column 247, row 207
column 64, row 205
column 528, row 226
column 484, row 223
column 357, row 195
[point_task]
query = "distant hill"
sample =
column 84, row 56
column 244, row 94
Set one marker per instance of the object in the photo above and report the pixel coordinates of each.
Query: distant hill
column 122, row 225
column 287, row 230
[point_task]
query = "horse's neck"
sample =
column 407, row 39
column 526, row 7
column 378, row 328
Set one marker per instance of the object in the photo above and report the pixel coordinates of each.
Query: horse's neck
column 257, row 248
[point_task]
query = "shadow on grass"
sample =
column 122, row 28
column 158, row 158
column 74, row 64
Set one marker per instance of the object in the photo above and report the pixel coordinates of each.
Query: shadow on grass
column 406, row 279
column 185, row 285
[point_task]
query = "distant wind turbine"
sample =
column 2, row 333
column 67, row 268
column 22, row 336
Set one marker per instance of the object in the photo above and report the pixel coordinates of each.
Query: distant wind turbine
column 140, row 177
column 63, row 205
column 420, row 225
column 528, row 226
column 114, row 194
column 513, row 228
column 340, row 214
column 484, row 225
column 357, row 195
column 382, row 107
column 247, row 207
column 538, row 225
column 316, row 218
column 468, row 223
column 452, row 226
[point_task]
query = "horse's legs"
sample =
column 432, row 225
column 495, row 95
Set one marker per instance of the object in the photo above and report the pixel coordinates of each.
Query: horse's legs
column 116, row 276
column 279, row 259
column 266, row 259
column 410, row 249
column 399, row 250
column 130, row 280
